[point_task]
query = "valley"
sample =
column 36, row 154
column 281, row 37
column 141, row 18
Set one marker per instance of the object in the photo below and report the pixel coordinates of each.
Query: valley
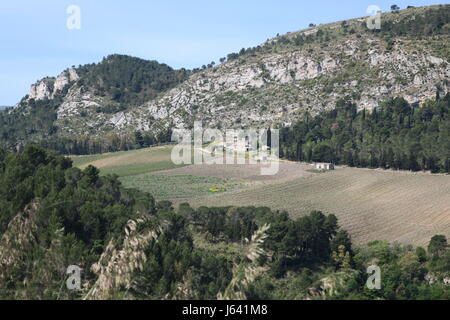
column 339, row 132
column 397, row 206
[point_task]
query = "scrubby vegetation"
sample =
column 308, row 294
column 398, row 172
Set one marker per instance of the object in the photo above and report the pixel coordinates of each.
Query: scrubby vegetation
column 414, row 23
column 124, row 84
column 396, row 135
column 128, row 246
column 120, row 81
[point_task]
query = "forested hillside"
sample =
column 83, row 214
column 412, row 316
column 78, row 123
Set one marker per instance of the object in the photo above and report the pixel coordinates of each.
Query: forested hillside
column 396, row 135
column 118, row 83
column 128, row 246
column 128, row 81
column 100, row 107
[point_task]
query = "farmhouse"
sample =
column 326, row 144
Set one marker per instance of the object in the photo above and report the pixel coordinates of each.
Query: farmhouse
column 324, row 166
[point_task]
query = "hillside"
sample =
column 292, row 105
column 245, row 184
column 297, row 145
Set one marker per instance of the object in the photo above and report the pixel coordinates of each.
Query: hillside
column 86, row 94
column 372, row 204
column 99, row 107
column 128, row 246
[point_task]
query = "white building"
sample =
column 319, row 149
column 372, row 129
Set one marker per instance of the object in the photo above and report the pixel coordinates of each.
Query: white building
column 324, row 166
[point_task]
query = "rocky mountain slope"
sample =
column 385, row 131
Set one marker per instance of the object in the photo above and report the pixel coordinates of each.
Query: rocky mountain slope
column 274, row 83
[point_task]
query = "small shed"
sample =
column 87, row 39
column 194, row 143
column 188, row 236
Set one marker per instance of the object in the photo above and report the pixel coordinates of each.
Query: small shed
column 324, row 166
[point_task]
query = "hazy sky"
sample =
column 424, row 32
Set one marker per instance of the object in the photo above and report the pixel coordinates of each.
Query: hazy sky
column 35, row 41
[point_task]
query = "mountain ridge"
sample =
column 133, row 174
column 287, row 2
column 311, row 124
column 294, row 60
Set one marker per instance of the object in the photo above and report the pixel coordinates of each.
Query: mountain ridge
column 276, row 83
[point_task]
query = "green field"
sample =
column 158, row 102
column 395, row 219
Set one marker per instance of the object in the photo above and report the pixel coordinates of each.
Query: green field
column 134, row 168
column 165, row 187
column 127, row 163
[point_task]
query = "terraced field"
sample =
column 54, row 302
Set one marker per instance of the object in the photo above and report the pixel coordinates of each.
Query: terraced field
column 370, row 204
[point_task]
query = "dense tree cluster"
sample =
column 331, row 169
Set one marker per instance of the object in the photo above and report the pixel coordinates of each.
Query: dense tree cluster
column 33, row 125
column 108, row 143
column 129, row 81
column 408, row 273
column 87, row 205
column 90, row 211
column 79, row 218
column 173, row 259
column 395, row 135
column 298, row 242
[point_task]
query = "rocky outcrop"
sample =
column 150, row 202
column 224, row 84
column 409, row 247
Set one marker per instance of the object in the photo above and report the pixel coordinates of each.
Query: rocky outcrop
column 41, row 90
column 18, row 240
column 65, row 78
column 276, row 85
column 279, row 87
column 48, row 87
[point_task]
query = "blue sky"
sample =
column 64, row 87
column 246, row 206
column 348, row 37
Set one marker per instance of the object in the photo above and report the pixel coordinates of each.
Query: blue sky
column 35, row 41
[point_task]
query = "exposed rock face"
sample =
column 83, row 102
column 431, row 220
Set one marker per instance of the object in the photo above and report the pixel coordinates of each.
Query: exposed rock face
column 276, row 85
column 65, row 78
column 48, row 87
column 41, row 90
column 279, row 87
column 17, row 241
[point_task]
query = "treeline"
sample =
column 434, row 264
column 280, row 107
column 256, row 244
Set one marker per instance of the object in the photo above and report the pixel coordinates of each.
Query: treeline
column 423, row 24
column 420, row 25
column 131, row 247
column 108, row 143
column 431, row 21
column 396, row 135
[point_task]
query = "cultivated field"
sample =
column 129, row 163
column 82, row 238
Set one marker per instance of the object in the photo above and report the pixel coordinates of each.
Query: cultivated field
column 370, row 204
column 245, row 172
column 179, row 187
column 135, row 168
column 126, row 163
column 195, row 181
